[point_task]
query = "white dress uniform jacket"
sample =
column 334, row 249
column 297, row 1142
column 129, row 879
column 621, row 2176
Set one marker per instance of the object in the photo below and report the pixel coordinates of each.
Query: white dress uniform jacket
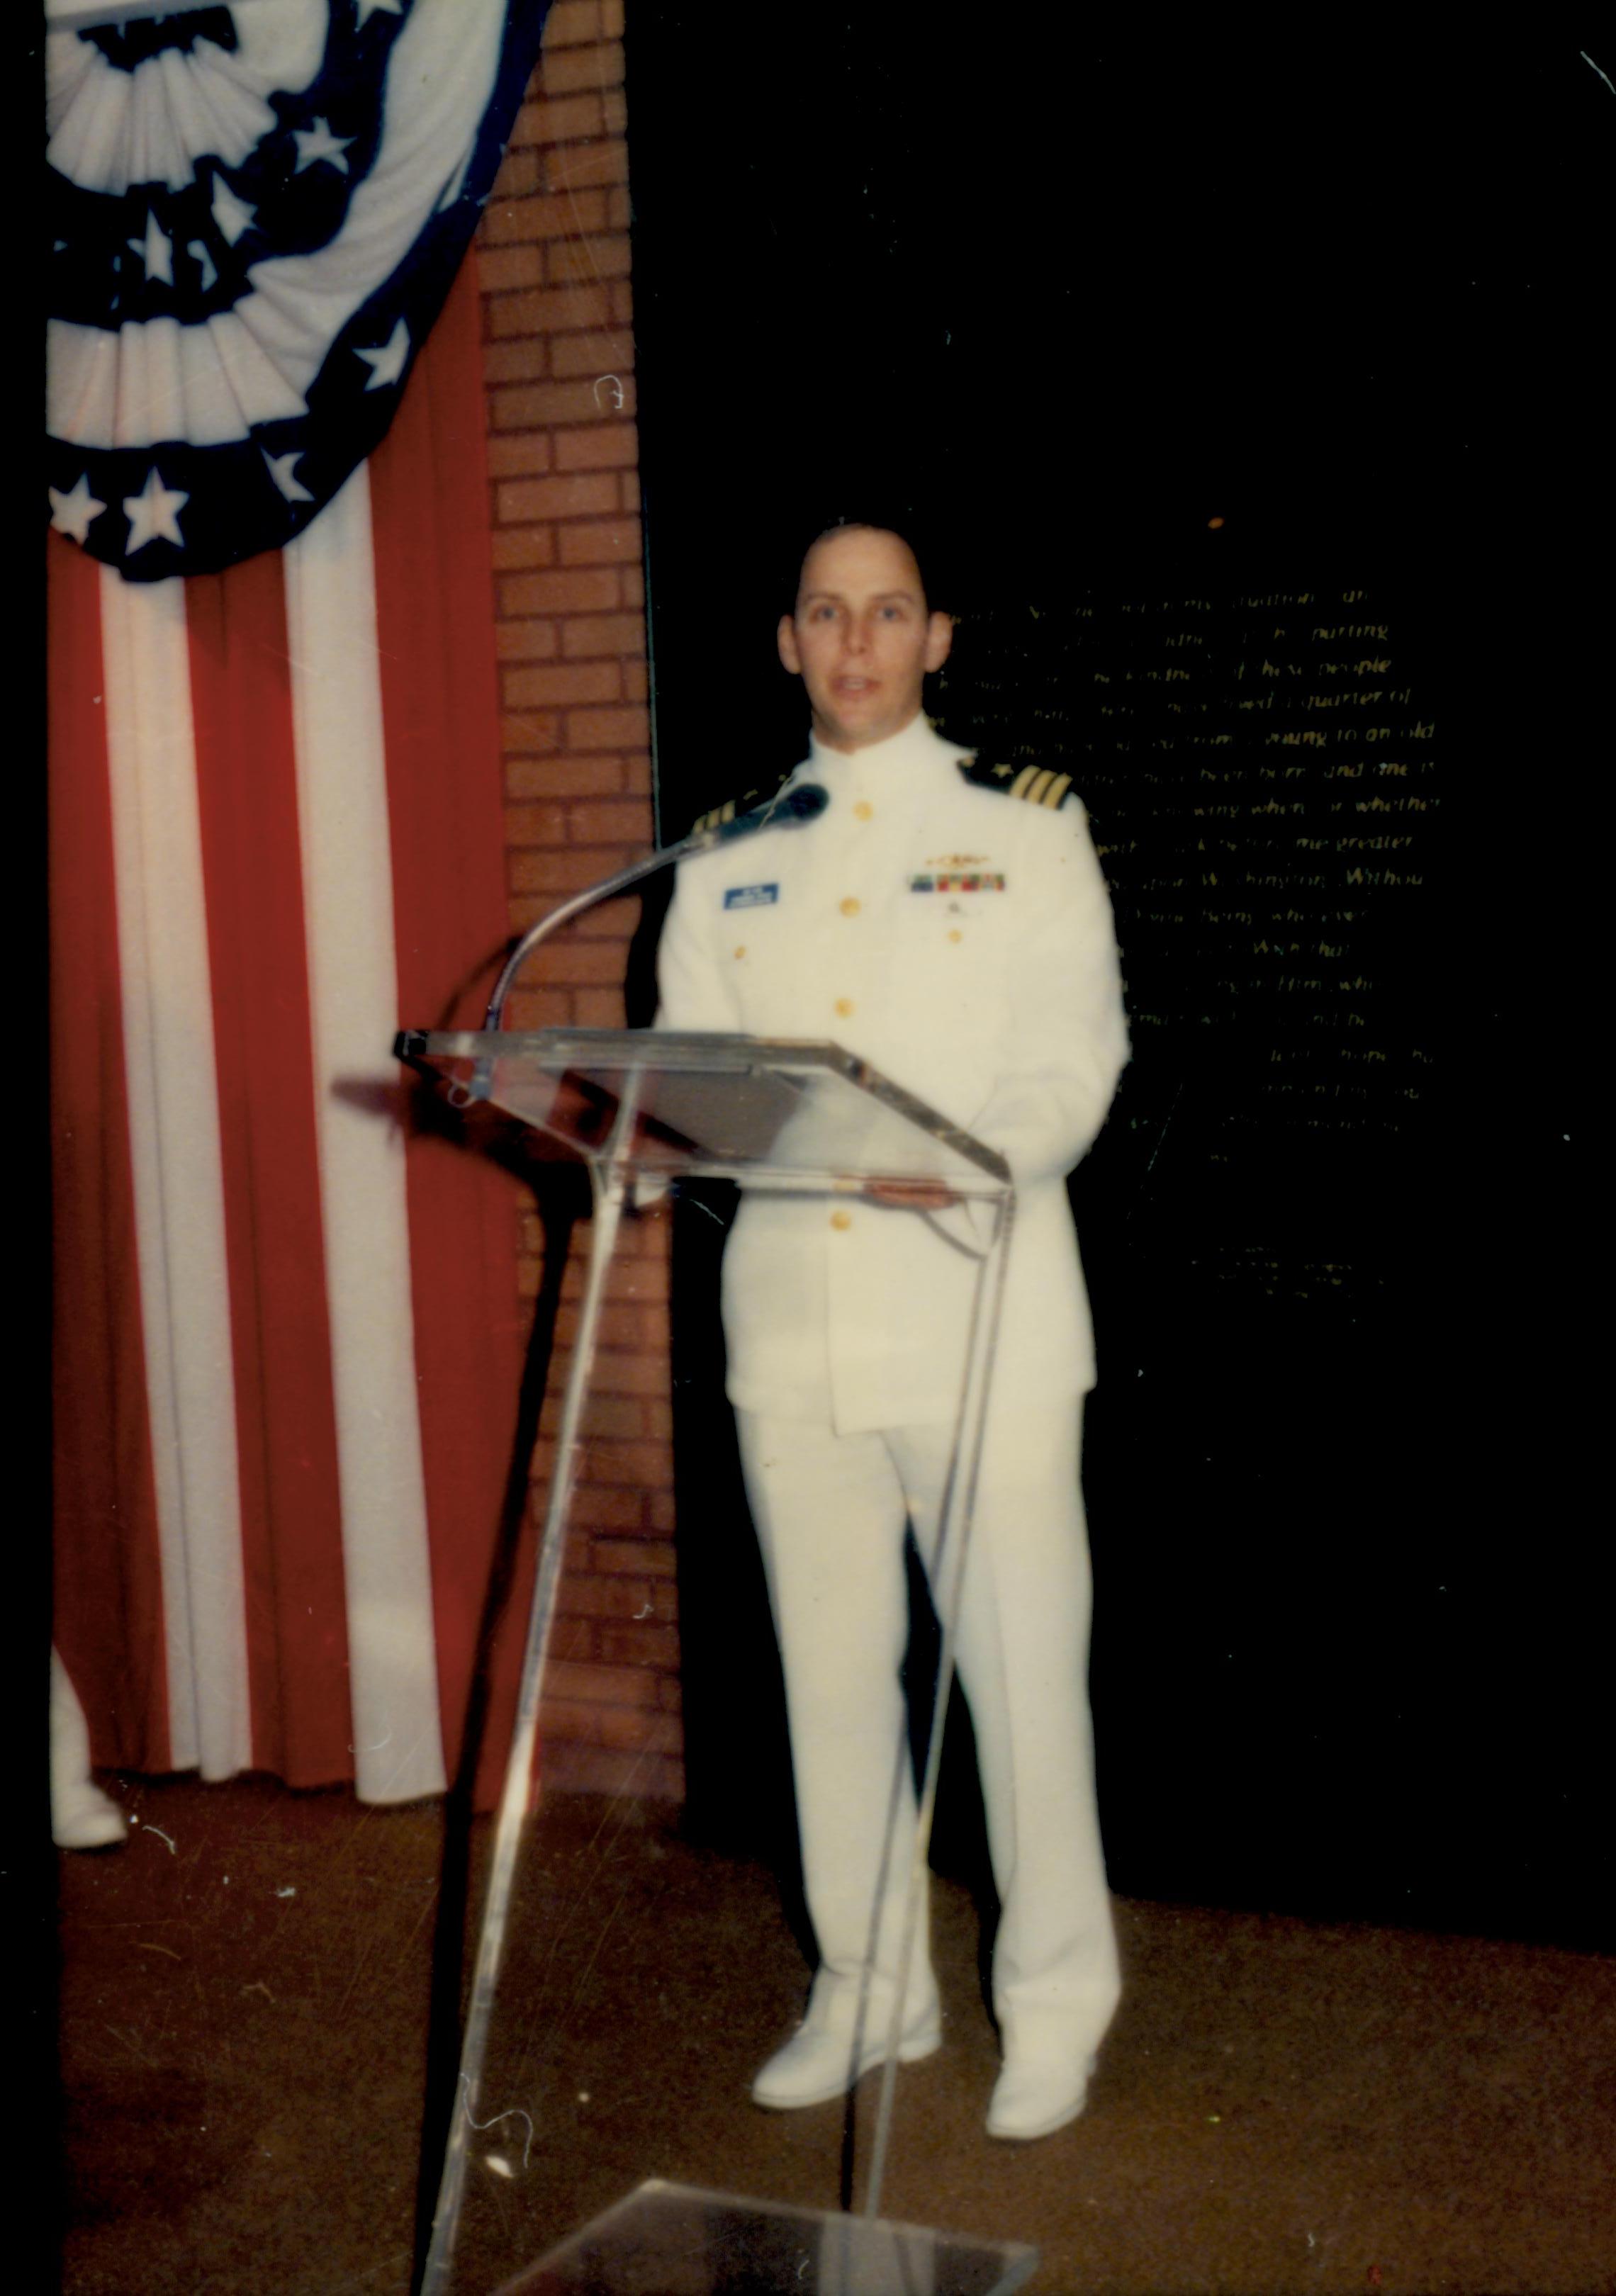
column 960, row 941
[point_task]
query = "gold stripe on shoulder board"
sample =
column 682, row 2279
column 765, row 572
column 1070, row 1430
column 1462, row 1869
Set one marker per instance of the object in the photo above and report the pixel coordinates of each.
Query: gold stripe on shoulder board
column 1040, row 785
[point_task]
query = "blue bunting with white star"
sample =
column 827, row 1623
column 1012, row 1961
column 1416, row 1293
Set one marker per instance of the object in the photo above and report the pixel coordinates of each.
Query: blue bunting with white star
column 256, row 212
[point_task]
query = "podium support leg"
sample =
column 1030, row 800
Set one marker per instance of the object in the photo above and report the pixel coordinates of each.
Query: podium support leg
column 610, row 1179
column 954, row 1534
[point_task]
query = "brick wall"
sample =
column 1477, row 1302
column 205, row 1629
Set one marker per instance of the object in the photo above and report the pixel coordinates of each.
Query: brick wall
column 554, row 267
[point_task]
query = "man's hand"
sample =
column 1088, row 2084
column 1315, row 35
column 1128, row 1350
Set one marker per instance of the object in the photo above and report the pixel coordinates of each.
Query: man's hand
column 912, row 1195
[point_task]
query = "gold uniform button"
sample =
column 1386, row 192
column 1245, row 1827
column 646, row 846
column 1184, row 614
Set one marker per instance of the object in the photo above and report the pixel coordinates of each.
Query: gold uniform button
column 954, row 934
column 841, row 1219
column 851, row 906
column 863, row 810
column 843, row 1007
column 741, row 952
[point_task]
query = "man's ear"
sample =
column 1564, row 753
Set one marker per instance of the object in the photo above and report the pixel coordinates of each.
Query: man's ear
column 939, row 637
column 786, row 639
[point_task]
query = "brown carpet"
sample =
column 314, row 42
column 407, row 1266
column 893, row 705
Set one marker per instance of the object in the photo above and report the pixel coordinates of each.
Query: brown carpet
column 1281, row 2106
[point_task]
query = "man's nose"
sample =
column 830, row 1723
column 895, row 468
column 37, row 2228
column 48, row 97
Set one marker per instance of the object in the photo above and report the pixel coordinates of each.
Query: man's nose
column 857, row 632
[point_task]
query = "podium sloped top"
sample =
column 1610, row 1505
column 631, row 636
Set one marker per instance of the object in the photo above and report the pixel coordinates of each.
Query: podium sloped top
column 774, row 1110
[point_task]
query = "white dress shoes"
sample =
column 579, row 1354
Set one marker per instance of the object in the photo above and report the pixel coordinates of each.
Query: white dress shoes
column 816, row 2063
column 1040, row 2089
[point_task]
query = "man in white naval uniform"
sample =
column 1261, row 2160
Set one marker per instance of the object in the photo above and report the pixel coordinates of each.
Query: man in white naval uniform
column 962, row 942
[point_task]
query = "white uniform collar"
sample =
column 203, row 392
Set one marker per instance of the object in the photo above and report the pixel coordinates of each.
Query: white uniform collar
column 911, row 750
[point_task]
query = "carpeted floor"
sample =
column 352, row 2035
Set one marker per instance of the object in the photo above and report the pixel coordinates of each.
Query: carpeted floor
column 1281, row 2106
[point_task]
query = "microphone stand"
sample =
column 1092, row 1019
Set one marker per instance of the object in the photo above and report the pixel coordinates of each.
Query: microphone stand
column 787, row 810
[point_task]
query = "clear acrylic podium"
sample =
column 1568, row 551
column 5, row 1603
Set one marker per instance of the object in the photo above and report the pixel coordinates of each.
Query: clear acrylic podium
column 646, row 1107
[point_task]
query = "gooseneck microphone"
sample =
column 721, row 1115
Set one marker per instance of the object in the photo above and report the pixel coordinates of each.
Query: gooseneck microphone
column 790, row 808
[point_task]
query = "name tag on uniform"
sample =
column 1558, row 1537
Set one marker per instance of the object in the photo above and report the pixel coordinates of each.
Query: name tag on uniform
column 751, row 896
column 955, row 881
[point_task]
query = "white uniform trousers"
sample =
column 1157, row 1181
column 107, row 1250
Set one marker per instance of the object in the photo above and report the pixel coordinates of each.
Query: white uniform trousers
column 831, row 1511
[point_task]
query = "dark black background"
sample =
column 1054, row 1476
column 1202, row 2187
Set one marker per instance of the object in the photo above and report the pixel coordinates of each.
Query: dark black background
column 1066, row 300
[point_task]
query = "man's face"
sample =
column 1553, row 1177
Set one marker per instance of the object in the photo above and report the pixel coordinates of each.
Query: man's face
column 861, row 639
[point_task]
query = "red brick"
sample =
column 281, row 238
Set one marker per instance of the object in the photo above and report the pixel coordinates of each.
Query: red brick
column 535, row 824
column 642, row 1643
column 558, row 117
column 538, row 1008
column 567, row 1768
column 571, row 963
column 602, row 1685
column 628, row 486
column 602, row 255
column 606, row 351
column 607, row 1419
column 577, row 1640
column 539, row 405
column 519, row 222
column 637, row 682
column 539, row 871
column 599, row 1008
column 573, row 166
column 555, row 685
column 550, row 311
column 570, row 22
column 602, row 542
column 612, row 446
column 611, row 19
column 583, row 635
column 605, row 1598
column 500, row 270
column 659, row 1419
column 610, row 920
column 577, row 493
column 562, row 777
column 614, row 821
column 606, row 729
column 620, row 1327
column 520, row 454
column 518, row 174
column 648, row 1558
column 524, row 359
column 600, row 66
column 600, row 1508
column 525, row 640
column 516, row 546
column 620, row 209
column 670, row 1695
column 618, row 1372
column 614, row 111
column 612, row 1599
column 528, row 735
column 633, row 587
column 622, row 303
column 637, row 776
column 639, row 1727
column 646, row 1465
column 580, row 590
column 662, row 1511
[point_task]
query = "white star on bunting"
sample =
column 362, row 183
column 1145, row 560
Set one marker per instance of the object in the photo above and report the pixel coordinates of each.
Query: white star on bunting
column 318, row 142
column 196, row 248
column 156, row 250
column 72, row 514
column 368, row 8
column 387, row 362
column 280, row 470
column 153, row 513
column 231, row 215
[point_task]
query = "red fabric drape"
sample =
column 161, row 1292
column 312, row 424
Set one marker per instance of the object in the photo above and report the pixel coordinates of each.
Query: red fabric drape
column 433, row 583
column 109, row 1614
